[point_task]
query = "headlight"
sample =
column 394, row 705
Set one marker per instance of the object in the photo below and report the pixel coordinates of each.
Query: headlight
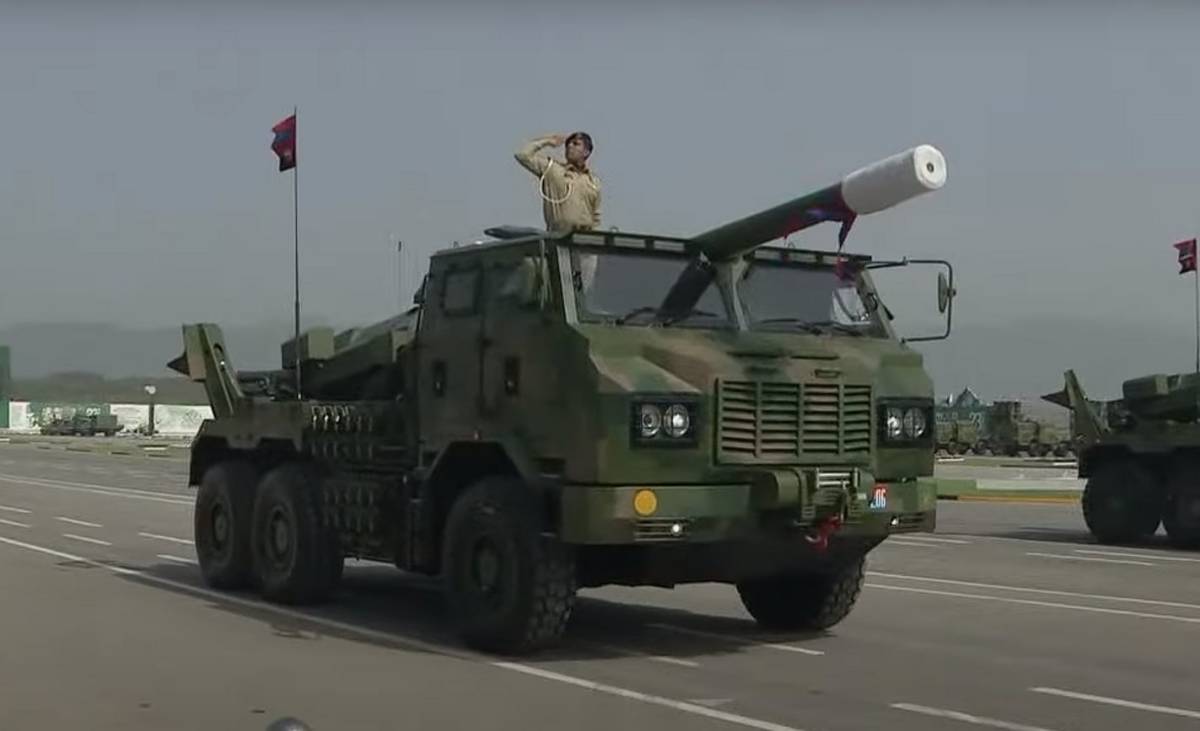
column 678, row 420
column 905, row 422
column 664, row 421
column 894, row 423
column 651, row 420
column 914, row 423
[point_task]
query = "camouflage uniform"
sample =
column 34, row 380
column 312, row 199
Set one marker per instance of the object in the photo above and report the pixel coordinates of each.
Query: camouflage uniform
column 570, row 195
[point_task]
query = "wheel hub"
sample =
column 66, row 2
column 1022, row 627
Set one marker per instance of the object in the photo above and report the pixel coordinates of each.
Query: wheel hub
column 279, row 536
column 220, row 526
column 485, row 567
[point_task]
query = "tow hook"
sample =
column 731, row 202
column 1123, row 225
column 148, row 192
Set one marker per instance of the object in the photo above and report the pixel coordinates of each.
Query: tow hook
column 825, row 529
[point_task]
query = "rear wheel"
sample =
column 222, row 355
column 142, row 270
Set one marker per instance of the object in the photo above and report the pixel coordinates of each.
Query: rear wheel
column 804, row 601
column 510, row 589
column 221, row 525
column 296, row 558
column 1181, row 514
column 1122, row 502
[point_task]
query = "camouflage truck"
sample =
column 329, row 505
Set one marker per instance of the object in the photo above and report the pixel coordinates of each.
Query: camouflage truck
column 561, row 411
column 82, row 424
column 1011, row 433
column 1142, row 462
column 957, row 436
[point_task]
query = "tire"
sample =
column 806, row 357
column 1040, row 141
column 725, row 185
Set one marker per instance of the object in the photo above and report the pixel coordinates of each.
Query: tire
column 811, row 602
column 221, row 525
column 296, row 558
column 1181, row 512
column 1122, row 502
column 510, row 589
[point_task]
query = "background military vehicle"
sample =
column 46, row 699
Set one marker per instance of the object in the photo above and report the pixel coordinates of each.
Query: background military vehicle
column 1011, row 433
column 565, row 411
column 82, row 425
column 967, row 425
column 1142, row 462
column 957, row 436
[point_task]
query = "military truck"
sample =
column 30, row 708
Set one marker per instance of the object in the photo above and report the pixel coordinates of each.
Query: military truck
column 1142, row 462
column 957, row 436
column 1011, row 433
column 82, row 425
column 574, row 410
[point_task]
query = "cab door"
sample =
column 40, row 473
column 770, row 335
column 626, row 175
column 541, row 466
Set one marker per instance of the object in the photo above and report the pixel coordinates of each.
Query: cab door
column 450, row 351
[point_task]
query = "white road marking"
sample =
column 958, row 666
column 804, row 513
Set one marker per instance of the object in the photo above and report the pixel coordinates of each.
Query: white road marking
column 906, row 542
column 931, row 539
column 23, row 511
column 85, row 539
column 1033, row 603
column 646, row 698
column 177, row 559
column 415, row 644
column 14, row 523
column 731, row 638
column 182, row 541
column 966, row 717
column 1147, row 556
column 637, row 653
column 1118, row 702
column 73, row 521
column 96, row 489
column 1064, row 557
column 1031, row 590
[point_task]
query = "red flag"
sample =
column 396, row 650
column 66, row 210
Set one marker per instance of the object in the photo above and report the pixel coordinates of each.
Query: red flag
column 1187, row 255
column 284, row 143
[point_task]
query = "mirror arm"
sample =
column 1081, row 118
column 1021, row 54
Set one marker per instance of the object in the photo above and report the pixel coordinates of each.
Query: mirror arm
column 949, row 304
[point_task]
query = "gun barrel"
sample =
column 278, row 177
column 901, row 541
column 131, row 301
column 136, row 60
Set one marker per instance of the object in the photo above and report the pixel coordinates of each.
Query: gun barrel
column 870, row 189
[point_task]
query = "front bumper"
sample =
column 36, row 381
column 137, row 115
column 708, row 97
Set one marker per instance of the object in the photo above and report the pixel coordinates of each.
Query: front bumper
column 787, row 502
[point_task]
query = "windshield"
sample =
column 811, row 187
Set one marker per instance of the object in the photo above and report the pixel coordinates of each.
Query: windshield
column 626, row 287
column 783, row 296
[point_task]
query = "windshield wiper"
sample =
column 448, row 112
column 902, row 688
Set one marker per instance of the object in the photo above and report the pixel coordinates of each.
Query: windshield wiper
column 634, row 313
column 678, row 317
column 839, row 326
column 812, row 327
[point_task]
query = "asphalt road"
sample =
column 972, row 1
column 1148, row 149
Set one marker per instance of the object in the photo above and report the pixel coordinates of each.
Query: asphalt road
column 1008, row 617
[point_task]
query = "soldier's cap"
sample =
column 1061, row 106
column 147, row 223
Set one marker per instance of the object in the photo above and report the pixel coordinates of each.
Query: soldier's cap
column 587, row 139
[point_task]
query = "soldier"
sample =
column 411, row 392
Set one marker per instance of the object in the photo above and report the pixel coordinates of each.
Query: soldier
column 570, row 191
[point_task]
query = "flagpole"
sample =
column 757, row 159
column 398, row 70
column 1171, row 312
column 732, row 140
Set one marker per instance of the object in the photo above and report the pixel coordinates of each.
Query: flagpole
column 296, row 243
column 1195, row 279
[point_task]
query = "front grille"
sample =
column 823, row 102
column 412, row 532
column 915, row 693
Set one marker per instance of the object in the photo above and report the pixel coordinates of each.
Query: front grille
column 781, row 422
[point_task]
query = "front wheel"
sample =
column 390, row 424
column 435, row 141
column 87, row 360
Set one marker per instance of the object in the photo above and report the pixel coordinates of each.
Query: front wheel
column 510, row 589
column 804, row 601
column 1181, row 514
column 1122, row 502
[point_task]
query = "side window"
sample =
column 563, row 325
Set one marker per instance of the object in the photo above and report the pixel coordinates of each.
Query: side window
column 503, row 286
column 460, row 292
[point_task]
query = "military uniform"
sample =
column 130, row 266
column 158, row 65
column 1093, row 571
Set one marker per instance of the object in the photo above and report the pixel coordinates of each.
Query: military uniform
column 570, row 195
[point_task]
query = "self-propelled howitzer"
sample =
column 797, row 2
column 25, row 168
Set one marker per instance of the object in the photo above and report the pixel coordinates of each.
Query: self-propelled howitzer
column 1141, row 459
column 535, row 425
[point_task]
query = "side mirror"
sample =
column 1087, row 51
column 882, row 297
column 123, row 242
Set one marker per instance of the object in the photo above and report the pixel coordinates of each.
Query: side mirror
column 944, row 292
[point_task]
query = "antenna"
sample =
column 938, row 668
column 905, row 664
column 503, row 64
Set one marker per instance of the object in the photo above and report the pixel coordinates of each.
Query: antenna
column 400, row 275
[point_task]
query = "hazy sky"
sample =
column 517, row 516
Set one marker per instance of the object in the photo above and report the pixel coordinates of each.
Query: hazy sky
column 137, row 183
